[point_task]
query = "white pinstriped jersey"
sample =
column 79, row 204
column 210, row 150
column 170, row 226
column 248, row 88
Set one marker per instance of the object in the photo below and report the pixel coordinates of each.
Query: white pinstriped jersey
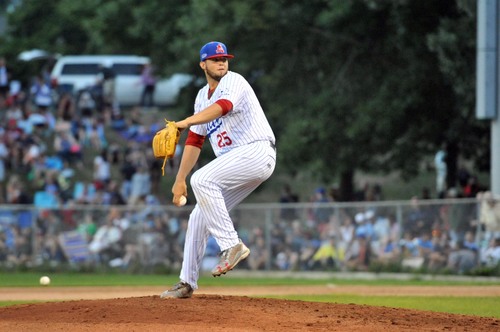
column 244, row 124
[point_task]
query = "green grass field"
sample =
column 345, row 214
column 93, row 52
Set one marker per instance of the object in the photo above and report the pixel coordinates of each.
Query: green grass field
column 478, row 306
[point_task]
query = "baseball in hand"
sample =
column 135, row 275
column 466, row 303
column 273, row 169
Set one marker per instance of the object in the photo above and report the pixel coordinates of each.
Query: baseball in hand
column 44, row 281
column 182, row 200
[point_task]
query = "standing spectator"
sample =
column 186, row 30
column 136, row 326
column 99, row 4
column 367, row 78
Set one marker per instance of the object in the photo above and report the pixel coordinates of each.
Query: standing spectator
column 320, row 214
column 419, row 218
column 41, row 94
column 4, row 153
column 140, row 185
column 463, row 175
column 148, row 81
column 441, row 171
column 489, row 214
column 4, row 80
column 460, row 217
column 287, row 196
column 127, row 170
column 471, row 189
column 51, row 226
column 16, row 192
column 102, row 170
column 106, row 82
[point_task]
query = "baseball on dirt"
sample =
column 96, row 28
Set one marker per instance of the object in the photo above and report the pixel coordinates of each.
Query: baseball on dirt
column 182, row 200
column 44, row 281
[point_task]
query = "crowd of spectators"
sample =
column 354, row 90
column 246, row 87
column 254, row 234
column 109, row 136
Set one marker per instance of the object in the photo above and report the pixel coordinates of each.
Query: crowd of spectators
column 56, row 154
column 431, row 235
column 56, row 142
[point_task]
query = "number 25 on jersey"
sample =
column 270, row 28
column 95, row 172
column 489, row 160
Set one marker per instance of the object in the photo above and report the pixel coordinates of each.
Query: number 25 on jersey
column 223, row 139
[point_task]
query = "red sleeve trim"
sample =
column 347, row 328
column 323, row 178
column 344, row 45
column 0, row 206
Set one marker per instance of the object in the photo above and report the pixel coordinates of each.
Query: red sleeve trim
column 225, row 104
column 194, row 139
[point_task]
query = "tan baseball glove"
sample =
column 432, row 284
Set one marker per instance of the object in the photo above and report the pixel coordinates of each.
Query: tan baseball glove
column 165, row 142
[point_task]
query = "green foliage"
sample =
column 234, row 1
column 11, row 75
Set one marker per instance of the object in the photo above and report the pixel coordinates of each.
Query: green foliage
column 348, row 86
column 486, row 271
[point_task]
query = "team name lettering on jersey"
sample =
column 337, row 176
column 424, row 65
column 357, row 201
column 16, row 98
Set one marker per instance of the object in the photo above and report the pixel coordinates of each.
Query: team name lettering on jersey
column 213, row 126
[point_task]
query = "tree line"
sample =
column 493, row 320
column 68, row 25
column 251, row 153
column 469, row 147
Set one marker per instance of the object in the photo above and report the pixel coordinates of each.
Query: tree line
column 360, row 85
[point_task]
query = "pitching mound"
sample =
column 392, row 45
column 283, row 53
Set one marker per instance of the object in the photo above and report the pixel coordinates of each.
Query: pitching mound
column 208, row 312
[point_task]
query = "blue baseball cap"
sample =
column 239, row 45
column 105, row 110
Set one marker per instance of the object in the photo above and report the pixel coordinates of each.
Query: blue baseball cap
column 214, row 49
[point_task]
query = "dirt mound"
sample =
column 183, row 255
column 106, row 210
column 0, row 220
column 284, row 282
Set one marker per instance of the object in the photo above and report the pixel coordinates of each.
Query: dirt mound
column 205, row 312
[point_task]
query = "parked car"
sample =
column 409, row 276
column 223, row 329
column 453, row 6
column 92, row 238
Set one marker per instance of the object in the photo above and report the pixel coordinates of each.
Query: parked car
column 77, row 73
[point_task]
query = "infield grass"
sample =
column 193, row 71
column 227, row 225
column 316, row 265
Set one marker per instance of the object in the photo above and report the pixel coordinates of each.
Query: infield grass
column 478, row 306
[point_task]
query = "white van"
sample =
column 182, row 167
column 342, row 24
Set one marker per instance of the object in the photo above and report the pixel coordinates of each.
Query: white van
column 79, row 72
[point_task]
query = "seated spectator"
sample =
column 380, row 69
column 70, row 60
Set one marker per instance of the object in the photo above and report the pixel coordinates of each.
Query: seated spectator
column 14, row 112
column 328, row 256
column 112, row 195
column 105, row 244
column 490, row 257
column 87, row 228
column 84, row 193
column 85, row 104
column 441, row 248
column 347, row 231
column 364, row 226
column 32, row 155
column 118, row 121
column 211, row 256
column 259, row 257
column 150, row 239
column 411, row 252
column 51, row 226
column 389, row 251
column 461, row 259
column 424, row 245
column 67, row 147
column 359, row 256
column 285, row 260
column 469, row 241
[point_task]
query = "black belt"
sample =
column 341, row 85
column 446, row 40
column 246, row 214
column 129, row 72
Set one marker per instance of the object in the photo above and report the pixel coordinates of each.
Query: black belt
column 272, row 145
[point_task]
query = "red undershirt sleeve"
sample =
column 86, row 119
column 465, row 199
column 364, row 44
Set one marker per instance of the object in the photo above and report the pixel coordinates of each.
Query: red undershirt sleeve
column 225, row 104
column 194, row 139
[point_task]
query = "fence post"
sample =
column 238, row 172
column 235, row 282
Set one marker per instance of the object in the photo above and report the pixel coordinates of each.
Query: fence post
column 399, row 218
column 34, row 232
column 267, row 232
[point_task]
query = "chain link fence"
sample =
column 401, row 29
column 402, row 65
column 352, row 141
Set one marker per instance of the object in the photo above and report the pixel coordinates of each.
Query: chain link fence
column 429, row 236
